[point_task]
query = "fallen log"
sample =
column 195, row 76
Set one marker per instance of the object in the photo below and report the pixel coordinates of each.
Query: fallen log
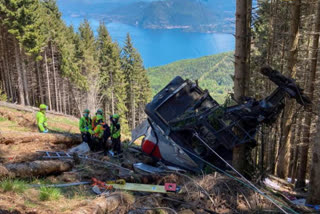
column 26, row 137
column 35, row 168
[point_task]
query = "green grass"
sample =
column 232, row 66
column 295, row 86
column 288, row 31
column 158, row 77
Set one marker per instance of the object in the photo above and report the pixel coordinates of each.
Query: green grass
column 67, row 121
column 3, row 119
column 56, row 129
column 16, row 185
column 48, row 194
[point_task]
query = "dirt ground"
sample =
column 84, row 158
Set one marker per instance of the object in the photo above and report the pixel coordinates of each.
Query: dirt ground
column 210, row 193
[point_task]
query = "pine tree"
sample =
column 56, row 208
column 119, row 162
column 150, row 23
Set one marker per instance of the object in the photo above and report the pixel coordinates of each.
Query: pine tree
column 88, row 64
column 112, row 80
column 138, row 84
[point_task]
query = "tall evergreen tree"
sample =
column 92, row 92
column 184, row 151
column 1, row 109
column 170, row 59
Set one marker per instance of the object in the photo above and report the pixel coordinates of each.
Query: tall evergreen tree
column 111, row 76
column 135, row 75
column 88, row 63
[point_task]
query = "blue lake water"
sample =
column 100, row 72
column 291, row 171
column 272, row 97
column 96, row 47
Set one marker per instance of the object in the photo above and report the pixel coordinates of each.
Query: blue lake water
column 160, row 47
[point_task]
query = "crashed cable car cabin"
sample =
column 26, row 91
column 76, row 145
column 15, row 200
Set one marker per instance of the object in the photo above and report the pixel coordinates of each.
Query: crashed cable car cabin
column 184, row 121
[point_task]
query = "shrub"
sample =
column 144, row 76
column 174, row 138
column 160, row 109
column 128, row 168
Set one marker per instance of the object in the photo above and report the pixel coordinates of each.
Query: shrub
column 15, row 185
column 49, row 193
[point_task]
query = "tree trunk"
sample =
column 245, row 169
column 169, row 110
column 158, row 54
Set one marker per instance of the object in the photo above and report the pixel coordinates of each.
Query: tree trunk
column 60, row 95
column 64, row 97
column 48, row 80
column 112, row 93
column 34, row 169
column 39, row 82
column 27, row 137
column 20, row 82
column 54, row 79
column 24, row 77
column 284, row 155
column 315, row 172
column 8, row 68
column 241, row 70
column 3, row 69
column 133, row 111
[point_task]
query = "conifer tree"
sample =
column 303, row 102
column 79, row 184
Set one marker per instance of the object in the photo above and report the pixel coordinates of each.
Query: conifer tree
column 88, row 64
column 111, row 76
column 135, row 75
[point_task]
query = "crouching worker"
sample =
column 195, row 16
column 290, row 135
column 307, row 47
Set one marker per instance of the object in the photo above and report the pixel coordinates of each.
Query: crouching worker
column 42, row 119
column 98, row 140
column 85, row 126
column 115, row 133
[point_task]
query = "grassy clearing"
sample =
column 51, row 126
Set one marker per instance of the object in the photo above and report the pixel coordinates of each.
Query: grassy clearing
column 9, row 185
column 64, row 120
column 57, row 129
column 3, row 119
column 49, row 194
column 7, row 125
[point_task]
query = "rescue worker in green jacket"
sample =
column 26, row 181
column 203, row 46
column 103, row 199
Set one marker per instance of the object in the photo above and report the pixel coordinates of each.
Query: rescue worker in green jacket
column 84, row 126
column 115, row 131
column 94, row 118
column 42, row 119
column 98, row 135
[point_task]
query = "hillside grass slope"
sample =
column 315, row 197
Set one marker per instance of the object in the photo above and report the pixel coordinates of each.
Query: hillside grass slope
column 213, row 72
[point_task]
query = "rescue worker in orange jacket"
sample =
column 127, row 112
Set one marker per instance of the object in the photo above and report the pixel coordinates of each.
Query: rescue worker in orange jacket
column 94, row 118
column 97, row 133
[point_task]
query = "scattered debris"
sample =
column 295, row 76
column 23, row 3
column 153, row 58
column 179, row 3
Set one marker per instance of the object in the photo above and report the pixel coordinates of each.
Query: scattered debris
column 80, row 149
column 60, row 185
column 145, row 168
column 122, row 185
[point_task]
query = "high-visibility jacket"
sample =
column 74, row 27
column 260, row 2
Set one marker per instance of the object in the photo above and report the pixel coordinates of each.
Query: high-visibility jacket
column 98, row 131
column 41, row 121
column 115, row 130
column 85, row 124
column 94, row 122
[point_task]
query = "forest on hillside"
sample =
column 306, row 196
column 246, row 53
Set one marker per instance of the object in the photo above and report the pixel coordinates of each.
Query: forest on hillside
column 45, row 61
column 213, row 73
column 284, row 35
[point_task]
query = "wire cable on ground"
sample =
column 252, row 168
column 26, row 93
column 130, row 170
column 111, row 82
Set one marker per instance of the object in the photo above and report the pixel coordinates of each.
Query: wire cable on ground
column 246, row 183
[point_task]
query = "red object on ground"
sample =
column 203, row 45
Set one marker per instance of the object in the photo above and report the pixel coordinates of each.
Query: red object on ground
column 170, row 187
column 101, row 184
column 151, row 149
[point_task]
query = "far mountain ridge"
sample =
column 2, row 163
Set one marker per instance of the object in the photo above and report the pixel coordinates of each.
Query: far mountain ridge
column 188, row 15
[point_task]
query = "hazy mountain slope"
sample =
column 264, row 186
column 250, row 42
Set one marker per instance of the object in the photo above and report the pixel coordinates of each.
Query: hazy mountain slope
column 190, row 15
column 214, row 73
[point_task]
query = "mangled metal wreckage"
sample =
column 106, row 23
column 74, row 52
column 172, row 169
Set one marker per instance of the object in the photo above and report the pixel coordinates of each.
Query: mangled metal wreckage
column 184, row 121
